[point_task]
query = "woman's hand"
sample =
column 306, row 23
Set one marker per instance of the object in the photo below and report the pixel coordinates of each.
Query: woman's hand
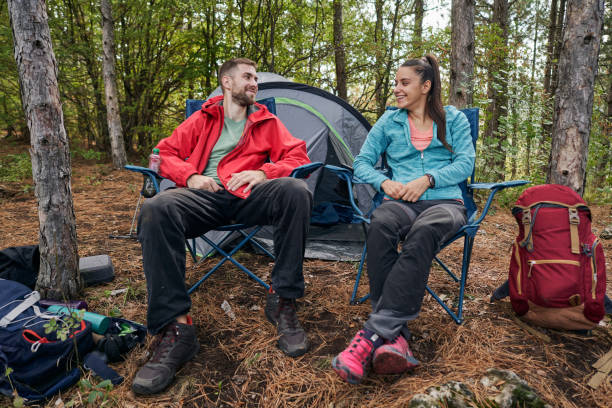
column 393, row 189
column 411, row 191
column 415, row 189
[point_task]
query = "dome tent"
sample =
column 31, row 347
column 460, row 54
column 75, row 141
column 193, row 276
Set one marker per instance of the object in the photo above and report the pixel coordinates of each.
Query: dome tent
column 334, row 132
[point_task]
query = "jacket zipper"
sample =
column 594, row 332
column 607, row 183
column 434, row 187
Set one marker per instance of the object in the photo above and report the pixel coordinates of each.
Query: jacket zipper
column 532, row 262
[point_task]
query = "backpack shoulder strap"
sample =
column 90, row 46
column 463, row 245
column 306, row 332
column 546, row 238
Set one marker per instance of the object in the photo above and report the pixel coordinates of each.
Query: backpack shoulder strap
column 27, row 302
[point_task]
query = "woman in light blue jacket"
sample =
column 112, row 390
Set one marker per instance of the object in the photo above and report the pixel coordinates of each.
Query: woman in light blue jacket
column 429, row 151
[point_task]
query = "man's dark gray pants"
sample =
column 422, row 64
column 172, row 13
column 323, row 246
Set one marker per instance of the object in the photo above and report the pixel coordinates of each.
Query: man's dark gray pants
column 398, row 280
column 174, row 215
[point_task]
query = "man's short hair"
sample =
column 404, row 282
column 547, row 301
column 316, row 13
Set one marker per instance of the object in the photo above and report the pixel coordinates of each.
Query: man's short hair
column 229, row 65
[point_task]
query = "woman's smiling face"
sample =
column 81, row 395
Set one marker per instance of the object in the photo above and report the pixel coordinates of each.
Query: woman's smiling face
column 409, row 91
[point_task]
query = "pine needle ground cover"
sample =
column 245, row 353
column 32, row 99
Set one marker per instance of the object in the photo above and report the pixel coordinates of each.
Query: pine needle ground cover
column 239, row 365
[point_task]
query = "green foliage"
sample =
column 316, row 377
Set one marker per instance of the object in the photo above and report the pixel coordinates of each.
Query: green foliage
column 64, row 327
column 18, row 402
column 95, row 394
column 170, row 50
column 15, row 167
column 89, row 154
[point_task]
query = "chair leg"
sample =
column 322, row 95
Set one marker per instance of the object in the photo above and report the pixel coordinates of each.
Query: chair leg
column 132, row 234
column 229, row 257
column 358, row 278
column 467, row 256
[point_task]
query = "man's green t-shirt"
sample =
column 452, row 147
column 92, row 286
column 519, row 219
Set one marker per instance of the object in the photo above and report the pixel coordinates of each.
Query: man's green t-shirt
column 230, row 136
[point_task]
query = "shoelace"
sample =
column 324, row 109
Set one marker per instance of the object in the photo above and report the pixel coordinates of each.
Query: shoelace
column 361, row 348
column 162, row 345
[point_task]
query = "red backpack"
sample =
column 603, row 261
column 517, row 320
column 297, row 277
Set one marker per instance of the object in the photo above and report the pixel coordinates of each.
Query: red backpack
column 557, row 268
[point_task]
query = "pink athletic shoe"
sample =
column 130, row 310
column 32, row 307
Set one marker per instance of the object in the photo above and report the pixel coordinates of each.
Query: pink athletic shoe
column 353, row 363
column 394, row 357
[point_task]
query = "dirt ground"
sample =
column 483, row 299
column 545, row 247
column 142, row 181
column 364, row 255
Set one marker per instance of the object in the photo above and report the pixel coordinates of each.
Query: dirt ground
column 239, row 365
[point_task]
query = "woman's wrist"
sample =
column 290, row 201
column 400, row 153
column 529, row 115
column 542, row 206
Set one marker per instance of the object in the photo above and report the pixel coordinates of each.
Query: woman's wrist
column 431, row 179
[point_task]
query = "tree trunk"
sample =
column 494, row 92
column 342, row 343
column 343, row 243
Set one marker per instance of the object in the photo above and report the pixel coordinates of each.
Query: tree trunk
column 462, row 54
column 339, row 56
column 59, row 274
column 110, row 85
column 417, row 35
column 379, row 58
column 554, row 80
column 497, row 92
column 531, row 130
column 574, row 96
column 552, row 30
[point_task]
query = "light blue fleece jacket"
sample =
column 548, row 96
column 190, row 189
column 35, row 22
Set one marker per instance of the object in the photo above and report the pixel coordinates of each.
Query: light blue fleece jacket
column 391, row 135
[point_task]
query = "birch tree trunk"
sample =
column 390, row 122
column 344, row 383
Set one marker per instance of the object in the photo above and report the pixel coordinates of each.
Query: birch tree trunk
column 462, row 54
column 574, row 96
column 339, row 55
column 115, row 130
column 58, row 277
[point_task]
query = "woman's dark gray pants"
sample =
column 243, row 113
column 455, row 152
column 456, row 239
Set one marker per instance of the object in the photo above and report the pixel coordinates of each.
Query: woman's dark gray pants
column 398, row 280
column 174, row 215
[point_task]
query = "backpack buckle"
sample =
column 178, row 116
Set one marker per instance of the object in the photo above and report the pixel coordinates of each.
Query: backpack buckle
column 526, row 216
column 574, row 221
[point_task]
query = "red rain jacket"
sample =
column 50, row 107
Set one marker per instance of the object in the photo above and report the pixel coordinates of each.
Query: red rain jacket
column 265, row 145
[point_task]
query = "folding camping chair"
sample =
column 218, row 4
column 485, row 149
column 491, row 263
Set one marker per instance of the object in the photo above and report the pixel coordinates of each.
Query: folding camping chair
column 247, row 232
column 468, row 231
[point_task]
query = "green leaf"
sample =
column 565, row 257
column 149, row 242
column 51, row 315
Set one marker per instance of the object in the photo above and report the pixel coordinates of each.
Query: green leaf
column 107, row 384
column 18, row 402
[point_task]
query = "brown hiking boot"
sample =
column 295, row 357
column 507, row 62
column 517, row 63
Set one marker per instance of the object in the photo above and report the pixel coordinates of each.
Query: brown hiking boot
column 173, row 347
column 281, row 312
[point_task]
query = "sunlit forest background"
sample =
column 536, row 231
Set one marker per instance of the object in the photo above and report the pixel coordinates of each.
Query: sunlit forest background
column 169, row 50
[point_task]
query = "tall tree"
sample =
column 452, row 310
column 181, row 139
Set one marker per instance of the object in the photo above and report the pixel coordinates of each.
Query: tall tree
column 417, row 35
column 339, row 53
column 532, row 86
column 461, row 92
column 110, row 85
column 553, row 48
column 59, row 274
column 574, row 97
column 497, row 90
column 385, row 46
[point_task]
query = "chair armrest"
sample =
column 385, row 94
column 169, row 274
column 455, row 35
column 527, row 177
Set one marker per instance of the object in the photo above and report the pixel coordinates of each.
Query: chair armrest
column 499, row 186
column 305, row 170
column 494, row 187
column 145, row 171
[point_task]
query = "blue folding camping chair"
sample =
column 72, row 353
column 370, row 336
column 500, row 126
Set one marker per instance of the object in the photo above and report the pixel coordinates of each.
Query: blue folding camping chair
column 247, row 232
column 468, row 231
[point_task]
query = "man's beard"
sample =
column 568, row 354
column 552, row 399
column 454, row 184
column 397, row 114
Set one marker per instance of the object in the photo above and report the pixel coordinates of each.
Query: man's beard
column 242, row 99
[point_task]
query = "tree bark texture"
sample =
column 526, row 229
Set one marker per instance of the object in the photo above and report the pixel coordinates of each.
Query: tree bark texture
column 339, row 55
column 574, row 96
column 417, row 36
column 59, row 274
column 113, row 118
column 462, row 54
column 497, row 92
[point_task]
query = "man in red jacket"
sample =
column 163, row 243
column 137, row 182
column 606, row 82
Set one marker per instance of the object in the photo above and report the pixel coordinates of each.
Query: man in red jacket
column 234, row 157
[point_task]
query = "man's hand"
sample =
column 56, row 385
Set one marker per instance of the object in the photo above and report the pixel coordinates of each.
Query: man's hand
column 203, row 183
column 415, row 189
column 248, row 177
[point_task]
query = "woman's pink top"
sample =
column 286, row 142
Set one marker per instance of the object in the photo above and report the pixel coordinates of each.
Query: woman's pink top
column 420, row 140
